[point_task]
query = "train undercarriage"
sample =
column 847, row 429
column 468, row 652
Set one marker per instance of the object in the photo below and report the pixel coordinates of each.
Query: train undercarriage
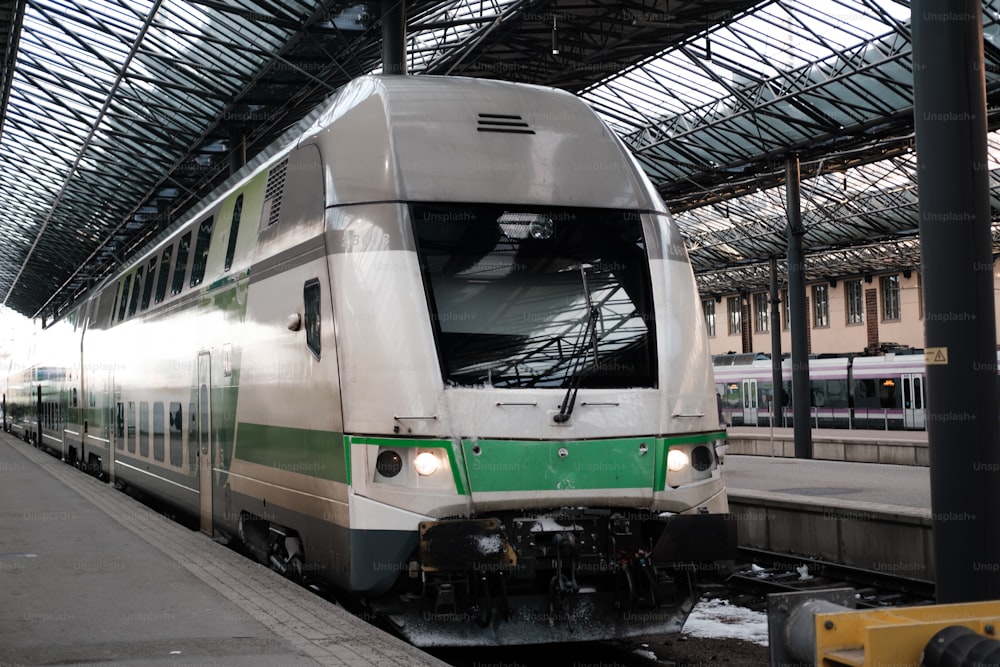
column 566, row 575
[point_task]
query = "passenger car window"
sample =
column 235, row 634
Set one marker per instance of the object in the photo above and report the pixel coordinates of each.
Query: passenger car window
column 161, row 281
column 311, row 296
column 180, row 266
column 201, row 251
column 234, row 229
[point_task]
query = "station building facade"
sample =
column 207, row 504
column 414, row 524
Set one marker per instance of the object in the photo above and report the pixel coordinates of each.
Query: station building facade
column 870, row 312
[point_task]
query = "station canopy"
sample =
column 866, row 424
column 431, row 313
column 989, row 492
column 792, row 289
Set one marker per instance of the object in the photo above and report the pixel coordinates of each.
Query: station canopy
column 118, row 115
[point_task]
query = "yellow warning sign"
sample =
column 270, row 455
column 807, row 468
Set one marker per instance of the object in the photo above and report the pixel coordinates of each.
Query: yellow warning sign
column 936, row 355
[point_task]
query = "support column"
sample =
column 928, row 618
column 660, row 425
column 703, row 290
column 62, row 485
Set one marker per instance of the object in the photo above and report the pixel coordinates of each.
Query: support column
column 393, row 37
column 777, row 391
column 799, row 314
column 955, row 247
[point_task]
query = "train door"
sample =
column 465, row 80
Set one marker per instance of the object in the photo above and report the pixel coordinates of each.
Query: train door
column 114, row 415
column 913, row 401
column 750, row 402
column 203, row 420
column 39, row 415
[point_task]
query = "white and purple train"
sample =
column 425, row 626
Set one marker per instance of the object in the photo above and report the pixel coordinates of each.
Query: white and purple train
column 885, row 392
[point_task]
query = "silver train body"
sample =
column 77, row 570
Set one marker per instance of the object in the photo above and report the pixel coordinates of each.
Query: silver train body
column 441, row 348
column 883, row 392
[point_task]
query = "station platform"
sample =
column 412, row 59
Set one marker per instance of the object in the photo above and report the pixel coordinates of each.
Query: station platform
column 90, row 576
column 860, row 446
column 872, row 516
column 859, row 483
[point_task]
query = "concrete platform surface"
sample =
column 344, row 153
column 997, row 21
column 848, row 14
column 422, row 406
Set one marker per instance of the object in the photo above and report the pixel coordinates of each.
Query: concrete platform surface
column 90, row 576
column 902, row 485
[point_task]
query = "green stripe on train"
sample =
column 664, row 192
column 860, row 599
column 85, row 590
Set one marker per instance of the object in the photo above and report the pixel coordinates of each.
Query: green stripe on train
column 314, row 453
column 531, row 465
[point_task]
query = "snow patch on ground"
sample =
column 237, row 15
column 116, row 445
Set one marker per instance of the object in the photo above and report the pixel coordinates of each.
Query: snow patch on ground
column 712, row 619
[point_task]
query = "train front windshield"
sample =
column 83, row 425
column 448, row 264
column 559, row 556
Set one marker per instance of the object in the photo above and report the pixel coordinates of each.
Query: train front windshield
column 534, row 297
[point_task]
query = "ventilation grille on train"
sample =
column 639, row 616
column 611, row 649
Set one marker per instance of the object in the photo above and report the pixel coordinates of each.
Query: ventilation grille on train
column 497, row 122
column 273, row 191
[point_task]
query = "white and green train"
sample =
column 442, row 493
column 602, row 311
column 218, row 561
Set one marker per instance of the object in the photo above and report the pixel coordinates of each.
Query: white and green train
column 441, row 348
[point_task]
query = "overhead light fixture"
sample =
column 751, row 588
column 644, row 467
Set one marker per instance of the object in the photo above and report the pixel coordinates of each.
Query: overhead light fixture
column 555, row 30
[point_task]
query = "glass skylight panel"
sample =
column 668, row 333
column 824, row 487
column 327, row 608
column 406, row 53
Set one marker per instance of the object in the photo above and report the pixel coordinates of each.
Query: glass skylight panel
column 769, row 42
column 424, row 47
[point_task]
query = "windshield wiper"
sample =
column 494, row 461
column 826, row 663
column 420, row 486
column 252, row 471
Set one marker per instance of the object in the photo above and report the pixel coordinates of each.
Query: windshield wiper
column 577, row 372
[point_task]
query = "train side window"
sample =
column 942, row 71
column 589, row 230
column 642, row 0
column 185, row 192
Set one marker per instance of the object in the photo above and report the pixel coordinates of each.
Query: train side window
column 865, row 388
column 176, row 435
column 201, row 251
column 120, row 425
column 180, row 266
column 161, row 280
column 133, row 301
column 234, row 229
column 192, row 438
column 836, row 394
column 130, row 430
column 143, row 430
column 123, row 299
column 732, row 396
column 918, row 393
column 147, row 289
column 159, row 433
column 311, row 296
column 888, row 398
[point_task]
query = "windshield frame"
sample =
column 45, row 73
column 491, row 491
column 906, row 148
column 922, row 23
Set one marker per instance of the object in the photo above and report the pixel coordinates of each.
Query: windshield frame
column 602, row 257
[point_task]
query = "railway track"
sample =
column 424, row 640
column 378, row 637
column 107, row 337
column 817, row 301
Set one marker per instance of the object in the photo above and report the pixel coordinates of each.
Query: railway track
column 761, row 572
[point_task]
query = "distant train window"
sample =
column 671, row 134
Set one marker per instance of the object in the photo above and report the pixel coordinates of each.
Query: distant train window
column 180, row 266
column 864, row 388
column 123, row 298
column 159, row 432
column 133, row 301
column 836, row 394
column 161, row 281
column 147, row 289
column 176, row 435
column 130, row 430
column 143, row 430
column 888, row 397
column 732, row 396
column 311, row 296
column 73, row 398
column 234, row 229
column 201, row 251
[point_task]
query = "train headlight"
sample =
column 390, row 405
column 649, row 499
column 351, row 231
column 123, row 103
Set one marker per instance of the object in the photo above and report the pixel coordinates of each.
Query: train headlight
column 426, row 463
column 389, row 463
column 677, row 460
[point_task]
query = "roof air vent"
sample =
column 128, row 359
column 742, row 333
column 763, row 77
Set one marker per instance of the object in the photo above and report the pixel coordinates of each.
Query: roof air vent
column 496, row 122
